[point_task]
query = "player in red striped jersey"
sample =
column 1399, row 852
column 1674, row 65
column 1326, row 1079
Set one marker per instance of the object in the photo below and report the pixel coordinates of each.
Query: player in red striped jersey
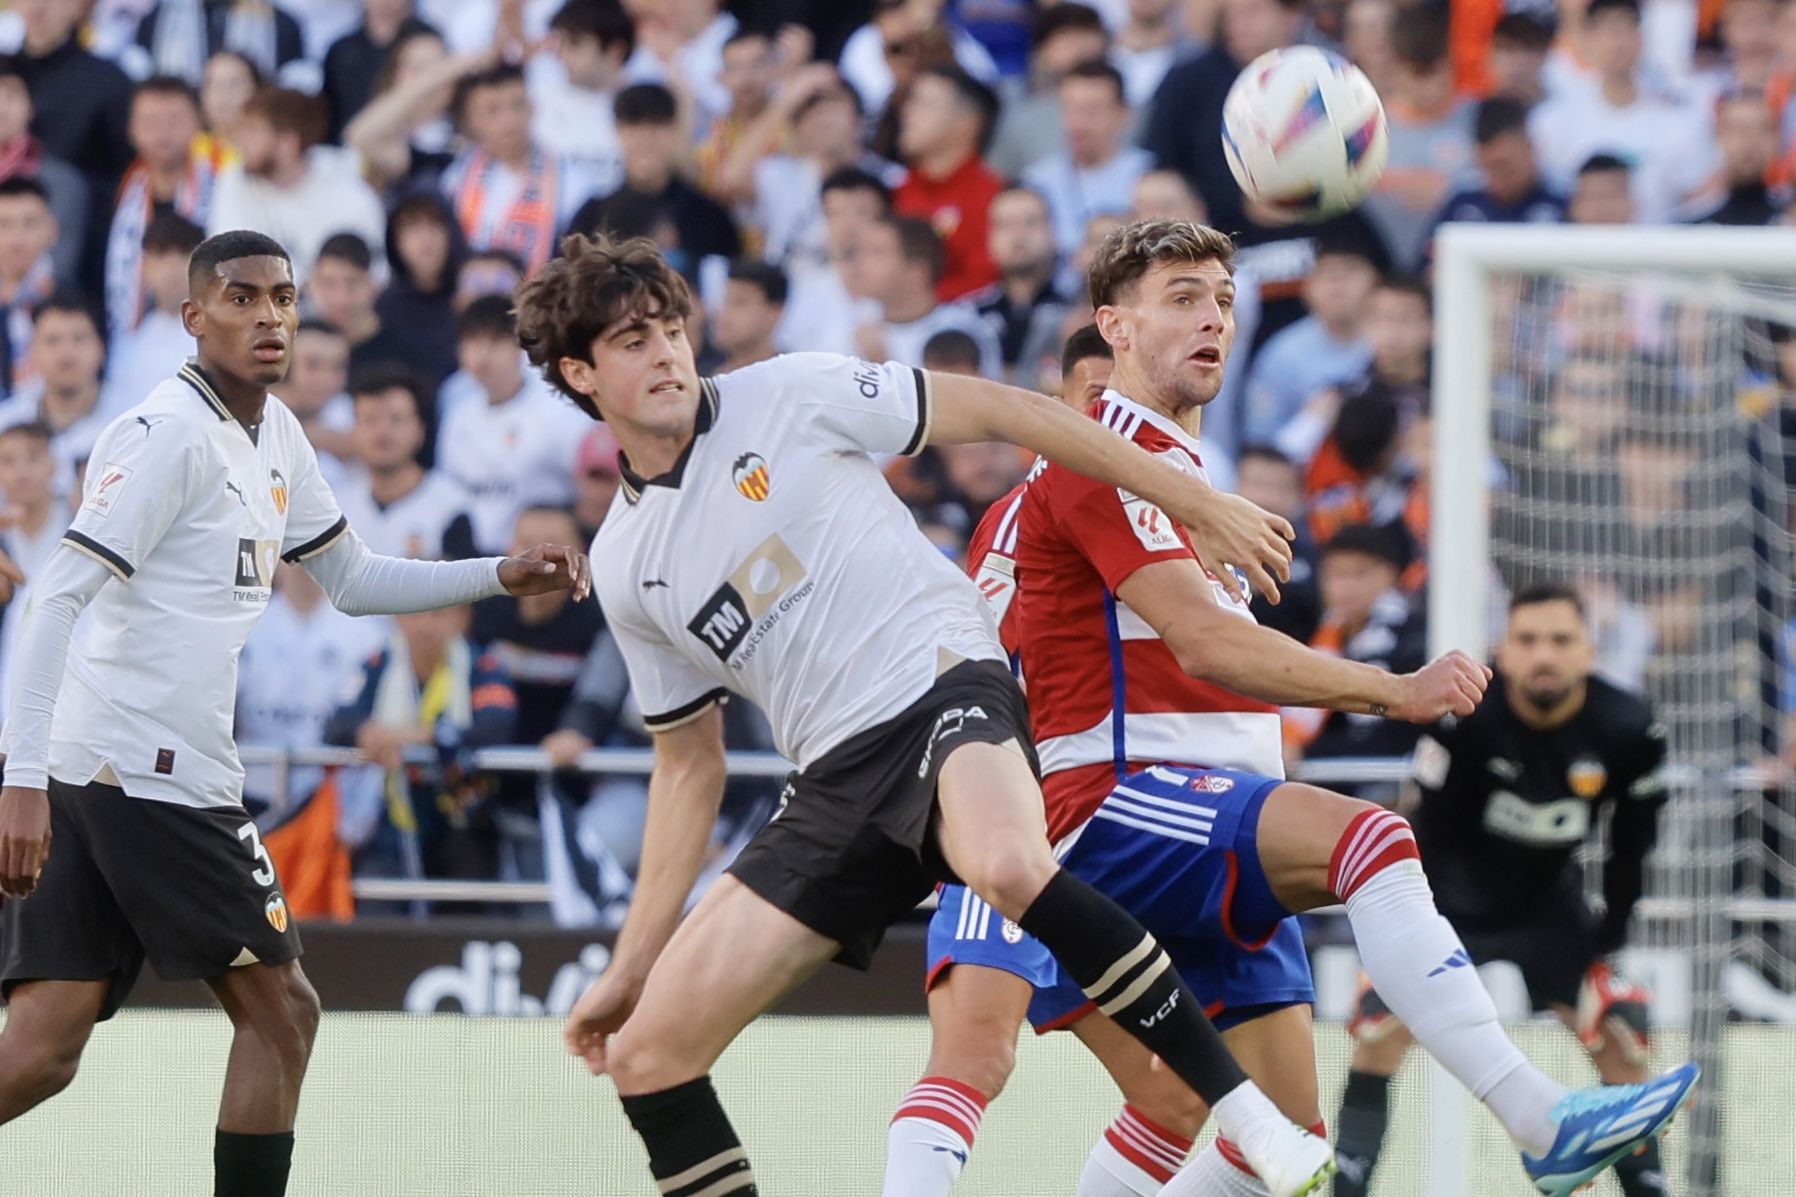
column 1154, row 698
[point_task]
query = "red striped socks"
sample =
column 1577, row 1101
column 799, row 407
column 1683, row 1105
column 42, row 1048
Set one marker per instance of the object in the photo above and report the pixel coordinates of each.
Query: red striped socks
column 931, row 1137
column 1133, row 1158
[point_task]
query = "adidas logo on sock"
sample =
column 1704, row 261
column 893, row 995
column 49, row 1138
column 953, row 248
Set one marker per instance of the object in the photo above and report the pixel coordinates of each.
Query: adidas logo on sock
column 1458, row 959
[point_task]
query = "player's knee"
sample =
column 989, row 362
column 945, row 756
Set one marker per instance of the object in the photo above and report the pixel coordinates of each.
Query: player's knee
column 304, row 1011
column 1011, row 876
column 50, row 1069
column 1168, row 1103
column 980, row 1053
column 642, row 1061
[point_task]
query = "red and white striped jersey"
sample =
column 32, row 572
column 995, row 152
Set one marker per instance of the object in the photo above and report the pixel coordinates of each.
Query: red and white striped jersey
column 994, row 571
column 1105, row 693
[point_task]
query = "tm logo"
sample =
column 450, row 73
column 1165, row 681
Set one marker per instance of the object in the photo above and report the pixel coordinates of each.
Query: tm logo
column 1458, row 959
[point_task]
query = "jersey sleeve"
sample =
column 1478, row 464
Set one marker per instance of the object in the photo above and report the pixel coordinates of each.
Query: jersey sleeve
column 136, row 487
column 1114, row 529
column 314, row 521
column 858, row 406
column 670, row 690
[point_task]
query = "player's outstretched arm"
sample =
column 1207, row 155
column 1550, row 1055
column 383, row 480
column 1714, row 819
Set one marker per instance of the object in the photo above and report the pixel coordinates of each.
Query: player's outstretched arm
column 685, row 791
column 67, row 584
column 1225, row 529
column 1174, row 598
column 359, row 582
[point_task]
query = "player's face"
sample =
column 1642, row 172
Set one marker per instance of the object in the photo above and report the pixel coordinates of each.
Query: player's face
column 1175, row 330
column 244, row 318
column 642, row 374
column 1085, row 384
column 1546, row 653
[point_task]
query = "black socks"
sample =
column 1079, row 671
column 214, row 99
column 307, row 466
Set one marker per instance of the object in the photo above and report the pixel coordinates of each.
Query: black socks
column 251, row 1165
column 692, row 1147
column 1365, row 1112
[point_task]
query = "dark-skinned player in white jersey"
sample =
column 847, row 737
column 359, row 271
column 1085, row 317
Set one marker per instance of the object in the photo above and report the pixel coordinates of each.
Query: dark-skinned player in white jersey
column 755, row 548
column 122, row 830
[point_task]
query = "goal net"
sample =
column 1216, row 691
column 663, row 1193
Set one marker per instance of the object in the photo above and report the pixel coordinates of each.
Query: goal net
column 1613, row 409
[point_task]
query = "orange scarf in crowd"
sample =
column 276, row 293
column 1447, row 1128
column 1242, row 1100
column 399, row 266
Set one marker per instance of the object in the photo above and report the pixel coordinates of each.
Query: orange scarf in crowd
column 527, row 228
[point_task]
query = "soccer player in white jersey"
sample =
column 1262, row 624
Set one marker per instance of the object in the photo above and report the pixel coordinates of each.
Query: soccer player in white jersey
column 756, row 549
column 1154, row 698
column 123, row 836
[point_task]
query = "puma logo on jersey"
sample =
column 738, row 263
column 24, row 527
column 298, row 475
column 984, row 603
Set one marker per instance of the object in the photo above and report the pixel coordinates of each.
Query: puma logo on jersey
column 233, row 488
column 651, row 583
column 147, row 424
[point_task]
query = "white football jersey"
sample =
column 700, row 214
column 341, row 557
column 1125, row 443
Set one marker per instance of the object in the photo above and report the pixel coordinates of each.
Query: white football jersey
column 774, row 561
column 190, row 513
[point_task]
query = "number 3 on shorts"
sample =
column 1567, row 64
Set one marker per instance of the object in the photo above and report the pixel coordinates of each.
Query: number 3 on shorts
column 263, row 874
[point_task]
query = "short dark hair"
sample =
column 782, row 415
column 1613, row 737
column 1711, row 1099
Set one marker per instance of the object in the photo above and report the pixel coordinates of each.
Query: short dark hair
column 765, row 277
column 502, row 74
column 1366, row 428
column 1526, row 31
column 347, row 247
column 1411, row 285
column 69, row 302
column 853, row 178
column 982, row 100
column 1419, row 39
column 1499, row 116
column 1262, row 451
column 605, row 20
column 1596, row 7
column 1602, row 164
column 19, row 185
column 220, row 248
column 170, row 233
column 645, row 104
column 1055, row 19
column 36, row 430
column 591, row 286
column 382, row 377
column 748, row 33
column 1536, row 593
column 951, row 348
column 1367, row 540
column 919, row 242
column 167, row 85
column 313, row 324
column 1085, row 342
column 290, row 111
column 13, row 67
column 488, row 316
column 1098, row 69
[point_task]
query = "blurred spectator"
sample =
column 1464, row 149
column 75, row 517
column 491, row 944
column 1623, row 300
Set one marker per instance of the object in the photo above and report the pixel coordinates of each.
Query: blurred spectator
column 426, row 688
column 396, row 505
column 597, row 473
column 23, row 155
column 1665, row 143
column 355, row 60
column 28, row 232
column 315, row 390
column 1747, row 32
column 158, row 346
column 1024, row 308
column 1266, row 477
column 952, row 352
column 342, row 291
column 180, row 35
column 978, row 475
column 754, row 301
column 506, row 191
column 1063, row 36
column 229, row 83
column 1512, row 191
column 514, row 445
column 1368, row 41
column 486, row 272
column 748, row 76
column 1085, row 363
column 416, row 308
column 1430, row 138
column 404, row 134
column 289, row 186
column 66, row 355
column 171, row 174
column 1323, row 349
column 80, row 103
column 898, row 264
column 680, row 43
column 1165, row 195
column 648, row 126
column 572, row 87
column 1098, row 170
column 1146, row 46
column 894, row 36
column 946, row 124
column 1364, row 618
column 1518, row 52
column 1184, row 128
column 1603, row 193
column 1746, row 132
column 823, row 311
column 31, row 525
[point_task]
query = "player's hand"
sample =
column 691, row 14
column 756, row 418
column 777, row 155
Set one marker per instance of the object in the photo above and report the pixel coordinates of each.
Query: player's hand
column 598, row 1014
column 24, row 839
column 547, row 568
column 1451, row 684
column 1228, row 530
column 564, row 747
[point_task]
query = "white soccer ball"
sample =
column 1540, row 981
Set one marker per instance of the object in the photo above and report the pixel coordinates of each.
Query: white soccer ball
column 1304, row 133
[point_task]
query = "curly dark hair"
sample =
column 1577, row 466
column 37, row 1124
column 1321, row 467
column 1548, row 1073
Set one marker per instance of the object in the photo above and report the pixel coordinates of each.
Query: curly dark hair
column 595, row 283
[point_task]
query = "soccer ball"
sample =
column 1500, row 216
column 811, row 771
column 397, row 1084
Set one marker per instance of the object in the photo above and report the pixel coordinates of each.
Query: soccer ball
column 1304, row 133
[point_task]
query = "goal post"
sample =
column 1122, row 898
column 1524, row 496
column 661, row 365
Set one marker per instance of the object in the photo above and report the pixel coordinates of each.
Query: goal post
column 1689, row 320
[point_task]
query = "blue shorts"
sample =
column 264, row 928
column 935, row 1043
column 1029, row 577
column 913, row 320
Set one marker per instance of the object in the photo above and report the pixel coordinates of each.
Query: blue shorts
column 1178, row 848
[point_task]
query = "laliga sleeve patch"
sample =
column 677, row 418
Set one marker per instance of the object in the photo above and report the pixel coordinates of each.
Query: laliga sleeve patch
column 1151, row 526
column 109, row 484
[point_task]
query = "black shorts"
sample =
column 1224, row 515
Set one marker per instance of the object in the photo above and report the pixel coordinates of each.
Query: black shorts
column 852, row 848
column 190, row 889
column 1553, row 949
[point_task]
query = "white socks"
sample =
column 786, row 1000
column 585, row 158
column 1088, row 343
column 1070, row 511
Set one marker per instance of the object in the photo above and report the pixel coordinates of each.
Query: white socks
column 1132, row 1158
column 1210, row 1175
column 931, row 1137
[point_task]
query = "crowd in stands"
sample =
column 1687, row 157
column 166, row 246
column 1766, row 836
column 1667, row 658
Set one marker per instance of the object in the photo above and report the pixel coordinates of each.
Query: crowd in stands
column 915, row 180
